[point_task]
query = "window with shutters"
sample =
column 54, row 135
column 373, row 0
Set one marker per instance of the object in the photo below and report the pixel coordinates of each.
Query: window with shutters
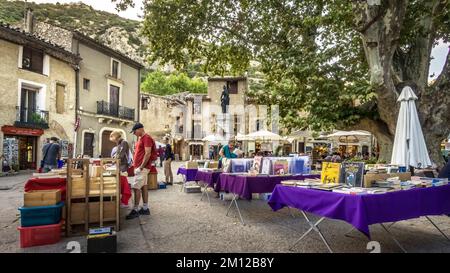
column 33, row 60
column 237, row 124
column 87, row 84
column 115, row 68
column 60, row 94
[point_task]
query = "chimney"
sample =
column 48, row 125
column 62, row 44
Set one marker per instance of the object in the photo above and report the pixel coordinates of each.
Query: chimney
column 29, row 20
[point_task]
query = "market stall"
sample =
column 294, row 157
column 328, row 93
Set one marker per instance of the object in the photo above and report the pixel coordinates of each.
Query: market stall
column 208, row 179
column 84, row 193
column 244, row 186
column 362, row 210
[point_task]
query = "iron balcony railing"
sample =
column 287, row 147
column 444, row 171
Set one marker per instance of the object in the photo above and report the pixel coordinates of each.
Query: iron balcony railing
column 31, row 118
column 113, row 110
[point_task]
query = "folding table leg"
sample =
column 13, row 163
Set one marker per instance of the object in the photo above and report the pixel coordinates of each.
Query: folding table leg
column 184, row 182
column 443, row 234
column 313, row 227
column 234, row 201
column 347, row 234
column 205, row 192
column 391, row 224
column 393, row 238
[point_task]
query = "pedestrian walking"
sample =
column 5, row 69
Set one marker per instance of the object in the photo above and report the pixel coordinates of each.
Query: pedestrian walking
column 51, row 153
column 168, row 158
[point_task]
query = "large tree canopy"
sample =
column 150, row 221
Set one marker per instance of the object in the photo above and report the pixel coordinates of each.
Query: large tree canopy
column 341, row 61
column 162, row 84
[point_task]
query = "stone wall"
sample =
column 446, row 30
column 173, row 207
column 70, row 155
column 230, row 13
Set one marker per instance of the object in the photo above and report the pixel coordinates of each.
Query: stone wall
column 53, row 34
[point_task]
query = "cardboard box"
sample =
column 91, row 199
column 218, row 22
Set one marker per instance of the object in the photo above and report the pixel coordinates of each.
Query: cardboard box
column 192, row 189
column 371, row 178
column 152, row 181
column 78, row 210
column 213, row 165
column 79, row 186
column 191, row 165
column 41, row 198
column 96, row 171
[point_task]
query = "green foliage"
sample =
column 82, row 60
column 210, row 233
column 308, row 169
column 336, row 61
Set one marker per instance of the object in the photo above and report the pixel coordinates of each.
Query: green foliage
column 162, row 84
column 37, row 119
column 310, row 52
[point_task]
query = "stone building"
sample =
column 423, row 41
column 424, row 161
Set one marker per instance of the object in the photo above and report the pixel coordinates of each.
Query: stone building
column 107, row 86
column 38, row 91
column 189, row 118
column 164, row 116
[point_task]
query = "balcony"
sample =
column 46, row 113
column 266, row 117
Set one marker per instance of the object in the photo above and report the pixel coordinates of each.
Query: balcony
column 111, row 110
column 31, row 118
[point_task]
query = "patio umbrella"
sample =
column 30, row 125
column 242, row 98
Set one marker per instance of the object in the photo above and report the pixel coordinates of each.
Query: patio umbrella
column 159, row 144
column 214, row 139
column 264, row 135
column 409, row 144
column 241, row 137
column 348, row 133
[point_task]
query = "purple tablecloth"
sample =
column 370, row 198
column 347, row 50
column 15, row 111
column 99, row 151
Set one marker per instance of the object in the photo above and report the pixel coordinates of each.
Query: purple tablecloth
column 244, row 186
column 188, row 173
column 210, row 178
column 364, row 210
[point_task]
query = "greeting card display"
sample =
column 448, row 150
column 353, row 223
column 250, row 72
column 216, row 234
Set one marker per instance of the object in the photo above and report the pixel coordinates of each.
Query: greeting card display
column 257, row 161
column 330, row 172
column 299, row 165
column 352, row 174
column 281, row 167
column 226, row 165
column 266, row 166
column 241, row 165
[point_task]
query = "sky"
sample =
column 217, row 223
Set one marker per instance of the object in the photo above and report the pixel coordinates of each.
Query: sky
column 106, row 5
column 439, row 52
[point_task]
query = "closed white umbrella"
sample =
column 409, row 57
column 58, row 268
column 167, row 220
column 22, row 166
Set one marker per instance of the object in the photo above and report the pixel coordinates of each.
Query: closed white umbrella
column 410, row 148
column 263, row 135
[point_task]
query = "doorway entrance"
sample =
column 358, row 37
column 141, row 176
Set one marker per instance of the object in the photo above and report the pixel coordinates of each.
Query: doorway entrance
column 114, row 98
column 107, row 145
column 24, row 149
column 88, row 147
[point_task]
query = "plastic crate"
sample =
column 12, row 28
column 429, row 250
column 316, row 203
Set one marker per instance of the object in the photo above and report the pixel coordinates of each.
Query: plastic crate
column 39, row 235
column 40, row 216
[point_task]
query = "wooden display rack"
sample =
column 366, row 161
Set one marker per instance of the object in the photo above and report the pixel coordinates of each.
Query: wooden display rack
column 92, row 201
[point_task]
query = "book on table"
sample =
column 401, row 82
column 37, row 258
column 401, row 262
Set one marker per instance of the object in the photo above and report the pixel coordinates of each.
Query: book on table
column 330, row 172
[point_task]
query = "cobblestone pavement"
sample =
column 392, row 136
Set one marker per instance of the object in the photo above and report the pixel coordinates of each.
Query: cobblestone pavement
column 180, row 222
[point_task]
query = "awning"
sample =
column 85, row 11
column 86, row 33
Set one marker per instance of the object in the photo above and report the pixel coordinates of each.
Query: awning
column 11, row 130
column 196, row 143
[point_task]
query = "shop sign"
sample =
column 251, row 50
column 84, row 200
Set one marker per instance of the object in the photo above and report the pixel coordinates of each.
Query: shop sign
column 11, row 130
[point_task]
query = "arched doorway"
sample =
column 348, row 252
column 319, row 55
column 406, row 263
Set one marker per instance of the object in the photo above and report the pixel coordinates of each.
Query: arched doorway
column 107, row 145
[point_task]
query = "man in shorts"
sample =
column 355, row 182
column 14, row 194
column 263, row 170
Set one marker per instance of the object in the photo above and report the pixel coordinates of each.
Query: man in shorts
column 145, row 155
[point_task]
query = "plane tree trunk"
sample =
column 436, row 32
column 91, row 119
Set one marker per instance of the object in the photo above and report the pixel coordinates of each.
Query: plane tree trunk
column 391, row 68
